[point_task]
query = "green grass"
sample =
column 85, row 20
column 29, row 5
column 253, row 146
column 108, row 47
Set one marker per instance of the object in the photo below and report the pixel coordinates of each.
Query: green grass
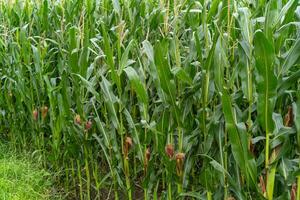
column 21, row 178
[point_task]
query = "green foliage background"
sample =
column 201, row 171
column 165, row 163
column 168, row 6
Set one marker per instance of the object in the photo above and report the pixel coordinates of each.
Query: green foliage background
column 215, row 79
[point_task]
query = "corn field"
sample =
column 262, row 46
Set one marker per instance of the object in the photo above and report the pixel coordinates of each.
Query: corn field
column 155, row 99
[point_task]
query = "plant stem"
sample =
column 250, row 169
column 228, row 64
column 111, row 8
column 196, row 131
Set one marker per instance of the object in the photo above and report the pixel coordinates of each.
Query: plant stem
column 169, row 191
column 80, row 179
column 87, row 171
column 298, row 186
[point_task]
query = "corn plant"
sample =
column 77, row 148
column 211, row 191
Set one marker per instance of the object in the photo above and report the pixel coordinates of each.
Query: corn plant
column 158, row 99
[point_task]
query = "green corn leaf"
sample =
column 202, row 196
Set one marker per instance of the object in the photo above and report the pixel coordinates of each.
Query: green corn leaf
column 109, row 56
column 88, row 86
column 296, row 111
column 213, row 9
column 285, row 9
column 137, row 85
column 292, row 58
column 165, row 76
column 36, row 58
column 135, row 134
column 148, row 49
column 267, row 85
column 194, row 195
column 266, row 80
column 219, row 63
column 110, row 99
column 101, row 127
column 108, row 159
column 288, row 82
column 73, row 52
column 271, row 181
column 116, row 5
column 83, row 60
column 124, row 59
column 234, row 137
column 181, row 74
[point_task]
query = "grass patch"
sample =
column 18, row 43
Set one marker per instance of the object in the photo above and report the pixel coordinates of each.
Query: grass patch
column 21, row 178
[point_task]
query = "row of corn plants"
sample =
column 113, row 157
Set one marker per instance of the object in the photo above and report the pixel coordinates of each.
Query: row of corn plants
column 157, row 99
